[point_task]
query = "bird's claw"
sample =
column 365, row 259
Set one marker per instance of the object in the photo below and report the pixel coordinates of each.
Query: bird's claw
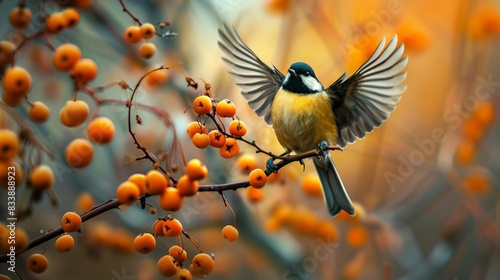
column 303, row 165
column 271, row 167
column 323, row 147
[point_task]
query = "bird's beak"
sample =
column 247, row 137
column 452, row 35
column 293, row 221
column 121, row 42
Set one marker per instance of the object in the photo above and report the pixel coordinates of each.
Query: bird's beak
column 292, row 72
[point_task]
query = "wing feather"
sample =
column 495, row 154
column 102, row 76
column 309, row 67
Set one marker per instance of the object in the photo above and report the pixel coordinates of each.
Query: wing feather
column 259, row 82
column 365, row 100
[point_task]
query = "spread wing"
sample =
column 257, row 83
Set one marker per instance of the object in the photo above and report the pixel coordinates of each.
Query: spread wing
column 366, row 99
column 259, row 83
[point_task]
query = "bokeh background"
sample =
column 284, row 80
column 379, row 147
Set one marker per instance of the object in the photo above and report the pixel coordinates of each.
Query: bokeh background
column 425, row 183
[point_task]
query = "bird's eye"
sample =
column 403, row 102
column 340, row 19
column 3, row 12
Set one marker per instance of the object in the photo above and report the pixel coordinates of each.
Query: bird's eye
column 307, row 73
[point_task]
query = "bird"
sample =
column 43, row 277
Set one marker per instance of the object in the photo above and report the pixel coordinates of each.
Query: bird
column 306, row 116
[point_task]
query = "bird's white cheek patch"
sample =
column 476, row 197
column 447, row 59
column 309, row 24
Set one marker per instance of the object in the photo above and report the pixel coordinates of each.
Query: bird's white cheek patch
column 287, row 77
column 311, row 83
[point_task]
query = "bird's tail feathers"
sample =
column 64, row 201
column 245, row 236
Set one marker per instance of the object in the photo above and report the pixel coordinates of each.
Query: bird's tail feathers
column 336, row 197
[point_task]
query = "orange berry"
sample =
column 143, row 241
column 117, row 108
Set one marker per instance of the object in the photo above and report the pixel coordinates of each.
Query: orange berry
column 477, row 183
column 186, row 186
column 179, row 254
column 84, row 71
column 304, row 222
column 357, row 236
column 225, row 108
column 20, row 17
column 21, row 241
column 246, row 163
column 9, row 145
column 66, row 56
column 312, row 185
column 170, row 200
column 38, row 112
column 202, row 105
column 473, row 129
column 237, row 128
column 327, row 231
column 166, row 266
column 195, row 272
column 257, row 178
column 195, row 127
column 147, row 50
column 133, row 34
column 254, row 195
column 144, row 243
column 63, row 116
column 101, row 130
column 84, row 4
column 121, row 240
column 466, row 152
column 272, row 225
column 79, row 153
column 277, row 6
column 184, row 274
column 230, row 148
column 17, row 81
column 84, row 202
column 41, row 178
column 203, row 264
column 485, row 112
column 55, row 23
column 230, row 233
column 74, row 113
column 71, row 17
column 71, row 222
column 77, row 111
column 5, row 173
column 217, row 139
column 139, row 180
column 158, row 228
column 127, row 193
column 360, row 214
column 7, row 53
column 147, row 30
column 414, row 36
column 65, row 243
column 11, row 99
column 172, row 227
column 38, row 263
column 196, row 170
column 156, row 182
column 200, row 140
column 155, row 79
column 283, row 214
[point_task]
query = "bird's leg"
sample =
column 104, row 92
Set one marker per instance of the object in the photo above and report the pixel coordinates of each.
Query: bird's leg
column 273, row 168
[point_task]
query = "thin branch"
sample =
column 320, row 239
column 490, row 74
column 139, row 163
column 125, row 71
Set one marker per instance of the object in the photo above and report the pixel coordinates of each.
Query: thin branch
column 126, row 10
column 129, row 123
column 285, row 160
column 113, row 203
column 27, row 131
column 97, row 210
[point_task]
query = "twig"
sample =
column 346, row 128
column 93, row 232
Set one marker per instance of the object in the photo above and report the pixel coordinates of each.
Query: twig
column 113, row 203
column 284, row 161
column 97, row 210
column 126, row 10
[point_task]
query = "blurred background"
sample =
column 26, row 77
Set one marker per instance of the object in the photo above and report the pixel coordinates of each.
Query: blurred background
column 425, row 184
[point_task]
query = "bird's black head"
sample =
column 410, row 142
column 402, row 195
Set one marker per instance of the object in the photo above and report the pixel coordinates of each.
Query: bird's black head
column 301, row 79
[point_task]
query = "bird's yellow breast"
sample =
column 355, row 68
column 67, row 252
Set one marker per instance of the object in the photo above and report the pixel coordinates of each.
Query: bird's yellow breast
column 302, row 121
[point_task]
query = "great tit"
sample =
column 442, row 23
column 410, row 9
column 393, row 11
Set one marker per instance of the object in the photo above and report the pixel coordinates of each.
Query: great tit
column 304, row 115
